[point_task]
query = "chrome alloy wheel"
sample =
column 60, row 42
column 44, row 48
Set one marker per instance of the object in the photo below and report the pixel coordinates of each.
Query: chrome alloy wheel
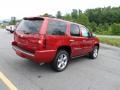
column 62, row 61
column 95, row 52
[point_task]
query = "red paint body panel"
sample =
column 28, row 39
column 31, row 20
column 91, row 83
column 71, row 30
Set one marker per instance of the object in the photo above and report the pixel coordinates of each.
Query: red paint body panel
column 43, row 47
column 38, row 56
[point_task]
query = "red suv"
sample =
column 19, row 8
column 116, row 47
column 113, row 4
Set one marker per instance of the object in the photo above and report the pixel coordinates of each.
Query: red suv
column 53, row 41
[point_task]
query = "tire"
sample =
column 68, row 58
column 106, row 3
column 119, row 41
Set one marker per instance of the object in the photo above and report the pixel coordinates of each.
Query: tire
column 61, row 61
column 94, row 53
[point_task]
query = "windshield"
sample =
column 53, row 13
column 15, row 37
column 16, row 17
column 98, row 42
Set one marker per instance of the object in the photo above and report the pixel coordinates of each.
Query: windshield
column 29, row 26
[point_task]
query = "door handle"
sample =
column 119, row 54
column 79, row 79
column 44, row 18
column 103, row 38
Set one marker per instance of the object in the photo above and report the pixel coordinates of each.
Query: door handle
column 84, row 40
column 72, row 40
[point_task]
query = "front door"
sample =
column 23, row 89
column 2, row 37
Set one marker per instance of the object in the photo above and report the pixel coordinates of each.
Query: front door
column 75, row 40
column 87, row 41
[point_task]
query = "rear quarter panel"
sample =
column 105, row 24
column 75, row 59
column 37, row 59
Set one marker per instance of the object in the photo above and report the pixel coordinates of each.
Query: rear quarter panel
column 54, row 42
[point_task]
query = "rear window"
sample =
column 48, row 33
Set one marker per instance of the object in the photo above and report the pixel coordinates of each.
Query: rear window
column 30, row 26
column 56, row 27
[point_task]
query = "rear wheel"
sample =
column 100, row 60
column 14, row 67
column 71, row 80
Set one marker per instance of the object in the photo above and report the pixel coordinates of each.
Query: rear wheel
column 94, row 52
column 61, row 61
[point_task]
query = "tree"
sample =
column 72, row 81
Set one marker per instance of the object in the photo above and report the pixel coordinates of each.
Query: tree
column 67, row 17
column 59, row 15
column 79, row 12
column 74, row 13
column 83, row 19
column 46, row 15
column 104, row 15
column 93, row 26
column 115, row 29
column 12, row 21
column 99, row 20
column 77, row 16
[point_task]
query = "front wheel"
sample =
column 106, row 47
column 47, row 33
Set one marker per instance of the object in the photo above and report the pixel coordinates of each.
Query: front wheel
column 61, row 61
column 94, row 52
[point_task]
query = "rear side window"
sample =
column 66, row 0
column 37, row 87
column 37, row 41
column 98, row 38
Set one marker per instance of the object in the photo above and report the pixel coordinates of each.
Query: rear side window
column 56, row 27
column 74, row 30
column 29, row 26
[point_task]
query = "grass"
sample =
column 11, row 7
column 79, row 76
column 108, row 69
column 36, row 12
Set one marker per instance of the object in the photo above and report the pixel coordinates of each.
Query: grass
column 110, row 41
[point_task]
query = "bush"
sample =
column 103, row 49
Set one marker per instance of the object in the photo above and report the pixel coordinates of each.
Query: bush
column 115, row 29
column 104, row 29
column 110, row 41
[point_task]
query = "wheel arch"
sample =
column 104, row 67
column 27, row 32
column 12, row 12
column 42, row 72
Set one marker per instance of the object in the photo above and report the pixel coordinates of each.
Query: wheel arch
column 97, row 44
column 66, row 48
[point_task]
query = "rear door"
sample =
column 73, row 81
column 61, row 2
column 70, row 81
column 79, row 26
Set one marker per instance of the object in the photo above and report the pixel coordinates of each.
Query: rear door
column 55, row 34
column 75, row 40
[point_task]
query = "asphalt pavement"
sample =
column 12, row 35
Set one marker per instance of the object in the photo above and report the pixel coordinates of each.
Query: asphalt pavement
column 83, row 73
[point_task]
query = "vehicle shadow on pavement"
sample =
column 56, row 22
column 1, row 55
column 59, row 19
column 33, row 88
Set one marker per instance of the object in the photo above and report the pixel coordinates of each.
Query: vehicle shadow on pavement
column 31, row 66
column 79, row 60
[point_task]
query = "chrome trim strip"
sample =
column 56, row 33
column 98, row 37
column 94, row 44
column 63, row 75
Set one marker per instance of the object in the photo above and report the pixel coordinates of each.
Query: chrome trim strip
column 76, row 57
column 78, row 48
column 71, row 40
column 17, row 48
column 47, row 51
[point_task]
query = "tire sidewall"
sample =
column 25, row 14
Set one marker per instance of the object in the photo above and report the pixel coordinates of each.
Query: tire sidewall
column 91, row 54
column 55, row 62
column 95, row 47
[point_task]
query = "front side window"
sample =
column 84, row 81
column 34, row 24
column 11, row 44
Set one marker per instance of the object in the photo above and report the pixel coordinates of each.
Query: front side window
column 29, row 26
column 56, row 27
column 74, row 30
column 85, row 32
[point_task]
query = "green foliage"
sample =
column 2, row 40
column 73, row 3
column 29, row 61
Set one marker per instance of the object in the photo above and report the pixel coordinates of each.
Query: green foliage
column 111, row 41
column 115, row 29
column 46, row 15
column 93, row 26
column 59, row 15
column 83, row 19
column 12, row 21
column 77, row 16
column 67, row 17
column 99, row 20
column 104, row 15
column 2, row 26
column 103, row 29
column 74, row 14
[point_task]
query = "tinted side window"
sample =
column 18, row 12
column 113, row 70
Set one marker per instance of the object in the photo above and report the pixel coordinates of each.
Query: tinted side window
column 56, row 27
column 74, row 30
column 85, row 32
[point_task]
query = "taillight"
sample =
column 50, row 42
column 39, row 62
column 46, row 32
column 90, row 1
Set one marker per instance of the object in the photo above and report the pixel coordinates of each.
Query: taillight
column 42, row 41
column 39, row 41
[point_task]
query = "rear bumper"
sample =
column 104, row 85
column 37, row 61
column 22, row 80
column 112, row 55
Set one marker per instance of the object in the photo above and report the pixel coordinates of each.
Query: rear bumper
column 45, row 56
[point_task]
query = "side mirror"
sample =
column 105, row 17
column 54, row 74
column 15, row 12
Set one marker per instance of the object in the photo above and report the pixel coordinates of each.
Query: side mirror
column 90, row 34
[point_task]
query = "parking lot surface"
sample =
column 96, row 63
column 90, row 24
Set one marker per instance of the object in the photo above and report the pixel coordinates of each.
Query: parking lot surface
column 83, row 73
